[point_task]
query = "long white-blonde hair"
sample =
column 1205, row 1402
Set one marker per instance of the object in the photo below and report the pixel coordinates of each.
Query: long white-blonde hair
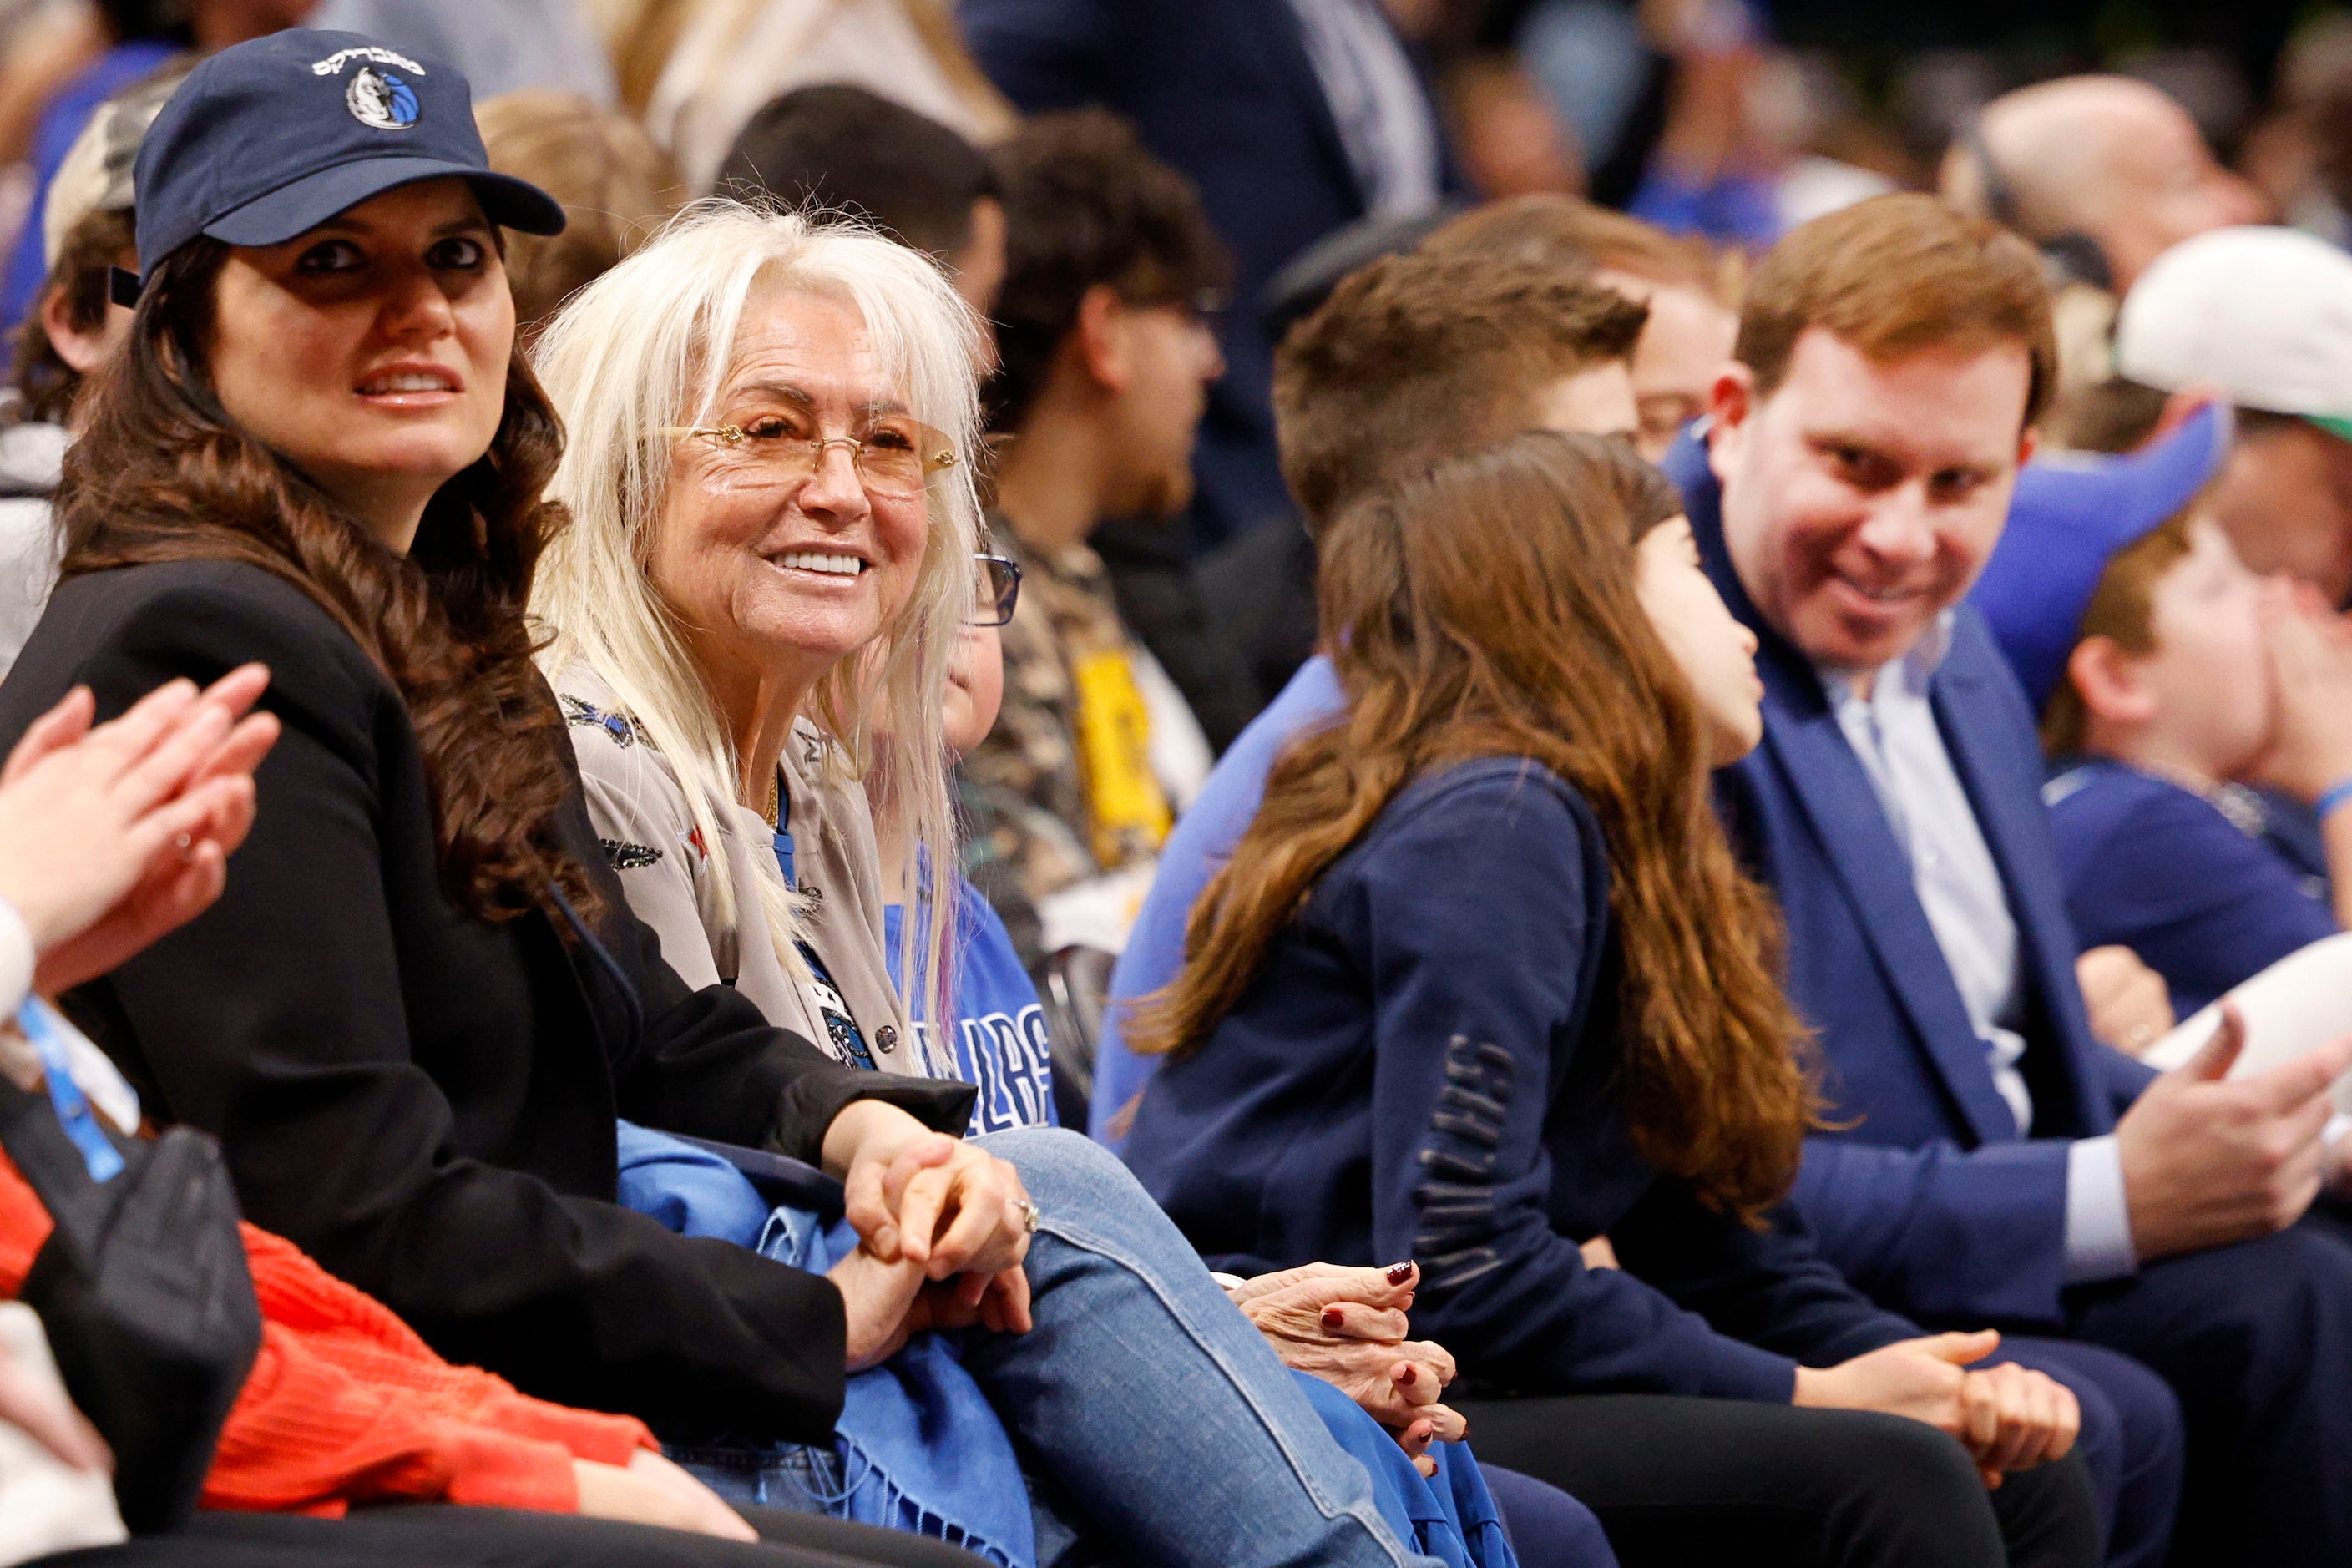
column 647, row 348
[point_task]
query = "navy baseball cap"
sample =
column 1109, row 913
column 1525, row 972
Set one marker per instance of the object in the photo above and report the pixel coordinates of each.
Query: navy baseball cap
column 273, row 137
column 2072, row 514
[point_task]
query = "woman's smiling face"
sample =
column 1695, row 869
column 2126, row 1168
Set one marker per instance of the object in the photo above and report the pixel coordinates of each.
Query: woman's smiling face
column 776, row 574
column 371, row 351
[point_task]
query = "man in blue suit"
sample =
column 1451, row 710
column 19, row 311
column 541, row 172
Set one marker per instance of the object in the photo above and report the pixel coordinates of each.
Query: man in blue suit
column 1984, row 1157
column 1294, row 117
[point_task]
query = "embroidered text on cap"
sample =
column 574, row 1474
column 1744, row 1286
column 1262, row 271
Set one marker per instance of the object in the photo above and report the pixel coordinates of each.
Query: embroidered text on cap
column 333, row 63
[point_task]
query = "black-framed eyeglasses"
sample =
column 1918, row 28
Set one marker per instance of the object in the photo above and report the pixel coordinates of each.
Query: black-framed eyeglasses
column 1000, row 590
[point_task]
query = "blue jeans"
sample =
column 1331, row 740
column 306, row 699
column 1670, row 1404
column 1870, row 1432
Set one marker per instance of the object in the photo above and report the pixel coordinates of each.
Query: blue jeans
column 1156, row 1427
column 1161, row 1417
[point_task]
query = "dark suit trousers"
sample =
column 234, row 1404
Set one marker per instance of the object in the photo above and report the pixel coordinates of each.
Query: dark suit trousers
column 2256, row 1338
column 1679, row 1480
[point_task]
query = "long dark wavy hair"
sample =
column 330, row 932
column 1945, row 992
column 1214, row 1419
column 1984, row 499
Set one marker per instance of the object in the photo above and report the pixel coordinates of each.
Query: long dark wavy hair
column 1490, row 609
column 162, row 473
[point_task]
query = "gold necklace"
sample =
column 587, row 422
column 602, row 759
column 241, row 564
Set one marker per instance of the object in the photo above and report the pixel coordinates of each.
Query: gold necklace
column 775, row 796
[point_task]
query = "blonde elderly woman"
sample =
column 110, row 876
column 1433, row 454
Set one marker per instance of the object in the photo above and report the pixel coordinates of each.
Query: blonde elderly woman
column 768, row 427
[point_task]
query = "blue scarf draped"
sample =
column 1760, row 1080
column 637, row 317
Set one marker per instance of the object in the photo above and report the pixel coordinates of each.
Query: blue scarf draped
column 919, row 1448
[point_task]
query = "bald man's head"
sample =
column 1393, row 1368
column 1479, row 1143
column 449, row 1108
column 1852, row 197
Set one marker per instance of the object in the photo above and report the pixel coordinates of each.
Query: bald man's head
column 2105, row 156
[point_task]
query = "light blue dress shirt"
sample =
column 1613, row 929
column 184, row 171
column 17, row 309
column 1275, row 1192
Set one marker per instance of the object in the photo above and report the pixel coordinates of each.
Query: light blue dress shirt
column 1893, row 731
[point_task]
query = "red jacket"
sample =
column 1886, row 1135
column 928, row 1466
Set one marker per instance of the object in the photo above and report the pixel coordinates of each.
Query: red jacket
column 346, row 1405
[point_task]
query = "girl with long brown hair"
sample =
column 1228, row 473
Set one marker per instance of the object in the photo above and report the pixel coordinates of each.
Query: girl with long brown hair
column 1483, row 982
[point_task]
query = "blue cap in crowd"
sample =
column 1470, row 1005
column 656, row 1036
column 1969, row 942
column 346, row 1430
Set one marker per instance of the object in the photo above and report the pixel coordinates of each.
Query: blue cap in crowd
column 273, row 137
column 2072, row 513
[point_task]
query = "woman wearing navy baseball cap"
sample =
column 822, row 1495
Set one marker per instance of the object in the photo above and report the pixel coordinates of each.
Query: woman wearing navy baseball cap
column 413, row 1015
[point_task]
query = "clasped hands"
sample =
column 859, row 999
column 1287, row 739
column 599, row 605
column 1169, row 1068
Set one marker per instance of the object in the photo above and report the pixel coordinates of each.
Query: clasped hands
column 942, row 1226
column 1348, row 1326
column 2006, row 1417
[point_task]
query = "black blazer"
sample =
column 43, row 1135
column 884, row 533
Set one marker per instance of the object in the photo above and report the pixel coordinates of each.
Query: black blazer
column 426, row 1101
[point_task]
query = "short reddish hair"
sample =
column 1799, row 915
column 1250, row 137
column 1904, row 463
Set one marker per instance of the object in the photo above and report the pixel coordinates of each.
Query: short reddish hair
column 1895, row 275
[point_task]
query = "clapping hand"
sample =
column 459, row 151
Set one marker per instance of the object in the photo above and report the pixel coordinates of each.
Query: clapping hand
column 112, row 836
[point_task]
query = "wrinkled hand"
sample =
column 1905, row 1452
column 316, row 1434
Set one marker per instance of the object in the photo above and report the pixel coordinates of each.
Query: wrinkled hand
column 112, row 836
column 2207, row 1159
column 44, row 1414
column 2006, row 1417
column 959, row 1213
column 2129, row 1004
column 651, row 1490
column 1348, row 1326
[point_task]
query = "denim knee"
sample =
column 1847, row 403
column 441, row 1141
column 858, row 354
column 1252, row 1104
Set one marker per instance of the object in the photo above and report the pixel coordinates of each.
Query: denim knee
column 1080, row 1188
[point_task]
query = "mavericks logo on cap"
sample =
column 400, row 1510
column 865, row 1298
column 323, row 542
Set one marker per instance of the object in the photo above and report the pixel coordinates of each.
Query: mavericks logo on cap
column 382, row 100
column 375, row 97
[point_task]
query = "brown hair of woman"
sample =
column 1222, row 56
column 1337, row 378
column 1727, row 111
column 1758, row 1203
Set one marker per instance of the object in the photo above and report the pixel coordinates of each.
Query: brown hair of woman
column 162, row 473
column 1485, row 609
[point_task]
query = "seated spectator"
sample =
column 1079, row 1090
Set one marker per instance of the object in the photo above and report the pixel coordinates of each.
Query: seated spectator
column 768, row 611
column 839, row 148
column 2107, row 172
column 1411, row 359
column 1984, row 1155
column 2067, row 513
column 2263, row 317
column 73, row 329
column 1693, row 318
column 110, row 838
column 1103, row 360
column 615, row 187
column 995, row 1022
column 141, row 39
column 726, row 60
column 344, row 481
column 1433, row 1005
column 2104, row 175
column 1291, row 121
column 2188, row 679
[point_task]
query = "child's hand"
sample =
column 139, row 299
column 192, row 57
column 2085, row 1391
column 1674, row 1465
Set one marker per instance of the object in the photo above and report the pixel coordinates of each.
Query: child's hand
column 2311, row 670
column 112, row 836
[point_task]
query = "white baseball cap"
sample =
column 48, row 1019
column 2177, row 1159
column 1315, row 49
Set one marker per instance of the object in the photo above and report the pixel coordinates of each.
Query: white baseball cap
column 2261, row 315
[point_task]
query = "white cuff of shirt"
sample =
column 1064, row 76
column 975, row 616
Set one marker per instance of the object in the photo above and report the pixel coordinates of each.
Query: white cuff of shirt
column 2333, row 1133
column 16, row 960
column 2099, row 1218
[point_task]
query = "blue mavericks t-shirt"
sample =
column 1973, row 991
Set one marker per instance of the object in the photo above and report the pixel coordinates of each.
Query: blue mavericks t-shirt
column 2207, row 894
column 1202, row 841
column 999, row 1025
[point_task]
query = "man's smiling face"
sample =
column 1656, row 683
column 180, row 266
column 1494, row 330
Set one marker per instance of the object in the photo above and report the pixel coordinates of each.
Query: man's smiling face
column 1861, row 497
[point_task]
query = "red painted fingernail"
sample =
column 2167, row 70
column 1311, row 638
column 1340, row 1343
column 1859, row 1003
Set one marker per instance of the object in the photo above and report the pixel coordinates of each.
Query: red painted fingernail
column 1333, row 1317
column 1400, row 1272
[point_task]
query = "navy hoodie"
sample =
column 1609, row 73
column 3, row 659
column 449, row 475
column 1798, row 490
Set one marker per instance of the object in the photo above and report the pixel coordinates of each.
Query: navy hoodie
column 1426, row 1066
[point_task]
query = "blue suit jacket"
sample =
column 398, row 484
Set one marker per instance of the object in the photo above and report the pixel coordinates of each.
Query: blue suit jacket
column 1925, row 1195
column 1223, row 91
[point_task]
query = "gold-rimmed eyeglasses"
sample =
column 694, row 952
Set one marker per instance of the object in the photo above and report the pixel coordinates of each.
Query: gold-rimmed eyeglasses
column 894, row 456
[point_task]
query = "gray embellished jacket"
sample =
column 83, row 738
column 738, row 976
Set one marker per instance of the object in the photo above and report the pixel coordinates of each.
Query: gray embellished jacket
column 640, row 813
